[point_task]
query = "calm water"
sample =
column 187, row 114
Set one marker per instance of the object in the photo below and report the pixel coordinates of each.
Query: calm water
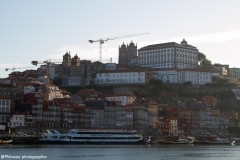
column 124, row 152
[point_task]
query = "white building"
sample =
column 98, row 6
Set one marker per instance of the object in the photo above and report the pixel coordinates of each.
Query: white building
column 194, row 75
column 166, row 75
column 235, row 72
column 126, row 76
column 123, row 98
column 168, row 55
column 17, row 120
column 5, row 104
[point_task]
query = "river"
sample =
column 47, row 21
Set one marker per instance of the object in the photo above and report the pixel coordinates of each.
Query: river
column 121, row 152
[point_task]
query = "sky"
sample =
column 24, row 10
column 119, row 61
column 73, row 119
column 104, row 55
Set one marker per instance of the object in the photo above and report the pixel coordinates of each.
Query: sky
column 47, row 29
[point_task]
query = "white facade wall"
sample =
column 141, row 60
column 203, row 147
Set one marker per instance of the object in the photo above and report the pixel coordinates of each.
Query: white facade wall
column 121, row 78
column 165, row 58
column 17, row 121
column 167, row 76
column 196, row 77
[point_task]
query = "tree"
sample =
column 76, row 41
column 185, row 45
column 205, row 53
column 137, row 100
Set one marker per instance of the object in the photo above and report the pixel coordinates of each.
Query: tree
column 202, row 60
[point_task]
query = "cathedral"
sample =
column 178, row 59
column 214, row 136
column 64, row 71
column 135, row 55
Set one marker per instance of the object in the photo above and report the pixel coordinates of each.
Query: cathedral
column 126, row 52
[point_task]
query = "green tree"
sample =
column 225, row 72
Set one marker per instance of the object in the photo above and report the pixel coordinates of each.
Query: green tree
column 202, row 60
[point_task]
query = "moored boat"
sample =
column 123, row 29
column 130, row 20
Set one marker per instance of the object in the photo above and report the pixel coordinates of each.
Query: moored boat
column 208, row 138
column 174, row 139
column 75, row 136
column 5, row 141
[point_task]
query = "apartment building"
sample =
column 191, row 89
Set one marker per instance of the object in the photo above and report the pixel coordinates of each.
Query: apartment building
column 5, row 110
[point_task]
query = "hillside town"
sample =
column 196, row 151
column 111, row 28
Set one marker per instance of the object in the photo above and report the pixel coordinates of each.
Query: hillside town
column 159, row 89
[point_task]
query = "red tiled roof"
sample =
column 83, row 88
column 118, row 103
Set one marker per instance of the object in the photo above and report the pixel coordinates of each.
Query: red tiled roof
column 194, row 69
column 3, row 97
column 117, row 95
column 123, row 71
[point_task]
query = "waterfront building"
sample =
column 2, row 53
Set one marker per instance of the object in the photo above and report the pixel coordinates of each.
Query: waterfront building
column 140, row 115
column 17, row 120
column 5, row 110
column 168, row 56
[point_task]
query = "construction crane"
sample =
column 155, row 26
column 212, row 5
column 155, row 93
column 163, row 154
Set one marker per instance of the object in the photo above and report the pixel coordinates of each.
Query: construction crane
column 47, row 77
column 102, row 40
column 7, row 69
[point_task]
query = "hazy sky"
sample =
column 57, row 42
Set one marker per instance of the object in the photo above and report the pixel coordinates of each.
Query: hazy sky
column 46, row 29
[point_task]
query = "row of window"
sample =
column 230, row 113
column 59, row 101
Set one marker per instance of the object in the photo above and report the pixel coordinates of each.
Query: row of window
column 4, row 102
column 120, row 75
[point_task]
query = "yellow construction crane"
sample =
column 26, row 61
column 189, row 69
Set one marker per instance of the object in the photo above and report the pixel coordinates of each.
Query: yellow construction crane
column 47, row 77
column 102, row 40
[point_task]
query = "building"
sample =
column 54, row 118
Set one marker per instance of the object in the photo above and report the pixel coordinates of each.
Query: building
column 194, row 75
column 125, row 76
column 212, row 101
column 126, row 53
column 5, row 106
column 165, row 75
column 235, row 72
column 123, row 98
column 168, row 55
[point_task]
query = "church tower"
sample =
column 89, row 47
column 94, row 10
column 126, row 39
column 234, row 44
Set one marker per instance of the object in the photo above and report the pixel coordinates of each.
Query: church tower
column 126, row 53
column 75, row 61
column 67, row 59
column 122, row 54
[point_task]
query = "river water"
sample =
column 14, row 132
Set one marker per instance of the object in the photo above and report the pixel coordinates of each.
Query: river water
column 121, row 152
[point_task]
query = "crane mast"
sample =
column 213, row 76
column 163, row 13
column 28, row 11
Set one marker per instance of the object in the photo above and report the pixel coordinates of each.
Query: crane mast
column 102, row 40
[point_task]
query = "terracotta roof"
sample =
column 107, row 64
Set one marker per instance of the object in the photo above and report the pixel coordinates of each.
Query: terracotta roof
column 194, row 69
column 5, row 85
column 3, row 97
column 123, row 71
column 117, row 95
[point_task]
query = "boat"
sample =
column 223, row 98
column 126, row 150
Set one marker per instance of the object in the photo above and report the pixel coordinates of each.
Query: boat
column 208, row 138
column 174, row 139
column 85, row 136
column 150, row 140
column 5, row 141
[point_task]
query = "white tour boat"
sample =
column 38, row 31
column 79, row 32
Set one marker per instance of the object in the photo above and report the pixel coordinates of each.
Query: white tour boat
column 92, row 136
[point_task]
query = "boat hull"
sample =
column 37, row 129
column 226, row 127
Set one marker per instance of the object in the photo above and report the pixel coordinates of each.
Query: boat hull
column 171, row 142
column 90, row 142
column 212, row 142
